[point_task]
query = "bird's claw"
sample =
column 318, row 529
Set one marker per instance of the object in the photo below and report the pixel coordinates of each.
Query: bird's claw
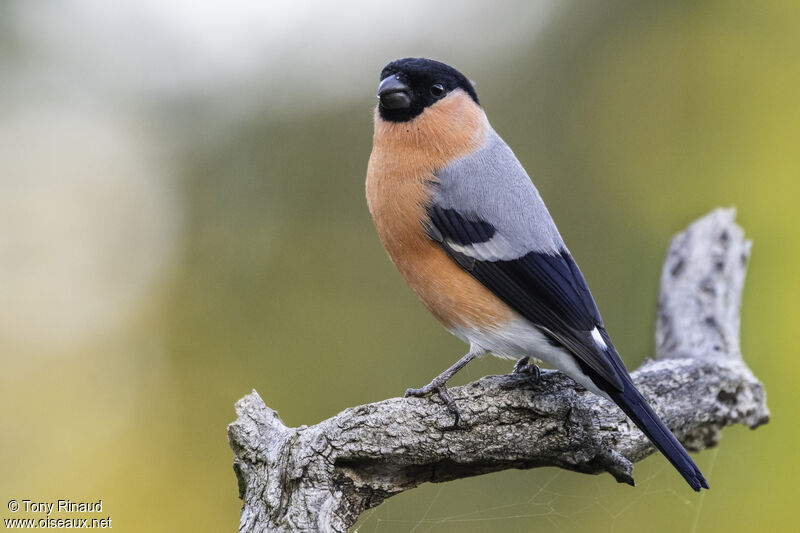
column 522, row 367
column 444, row 394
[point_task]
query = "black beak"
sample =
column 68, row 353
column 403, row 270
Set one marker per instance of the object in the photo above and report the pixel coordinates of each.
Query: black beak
column 394, row 94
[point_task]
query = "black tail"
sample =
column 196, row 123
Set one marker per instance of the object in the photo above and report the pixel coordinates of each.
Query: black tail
column 635, row 406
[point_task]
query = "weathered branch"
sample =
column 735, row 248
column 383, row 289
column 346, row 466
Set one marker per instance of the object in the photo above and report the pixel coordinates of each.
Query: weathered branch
column 320, row 478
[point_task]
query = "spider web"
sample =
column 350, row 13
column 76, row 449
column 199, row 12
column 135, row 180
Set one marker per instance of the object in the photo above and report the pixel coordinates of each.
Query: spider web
column 544, row 500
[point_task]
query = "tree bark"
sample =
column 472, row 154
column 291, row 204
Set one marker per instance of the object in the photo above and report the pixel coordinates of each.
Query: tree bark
column 320, row 478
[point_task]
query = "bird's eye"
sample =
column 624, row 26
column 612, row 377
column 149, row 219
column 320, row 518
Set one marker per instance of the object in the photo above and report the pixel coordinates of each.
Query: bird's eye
column 437, row 91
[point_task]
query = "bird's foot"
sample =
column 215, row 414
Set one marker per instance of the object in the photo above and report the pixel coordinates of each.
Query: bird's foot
column 439, row 387
column 523, row 367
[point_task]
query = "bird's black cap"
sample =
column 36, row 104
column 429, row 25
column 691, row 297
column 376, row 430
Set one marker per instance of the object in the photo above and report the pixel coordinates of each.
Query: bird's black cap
column 410, row 85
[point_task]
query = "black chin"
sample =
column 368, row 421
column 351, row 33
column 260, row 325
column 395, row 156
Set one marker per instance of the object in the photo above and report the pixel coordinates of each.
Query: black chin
column 400, row 114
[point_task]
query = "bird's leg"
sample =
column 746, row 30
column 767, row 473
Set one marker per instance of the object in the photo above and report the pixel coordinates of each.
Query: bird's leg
column 522, row 367
column 439, row 383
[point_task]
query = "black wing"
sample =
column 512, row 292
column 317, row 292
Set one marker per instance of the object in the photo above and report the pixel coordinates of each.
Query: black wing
column 547, row 289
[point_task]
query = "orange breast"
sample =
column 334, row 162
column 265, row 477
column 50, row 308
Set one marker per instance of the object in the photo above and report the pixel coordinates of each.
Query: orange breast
column 401, row 170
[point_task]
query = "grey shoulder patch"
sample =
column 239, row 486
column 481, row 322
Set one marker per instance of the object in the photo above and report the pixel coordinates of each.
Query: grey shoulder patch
column 490, row 185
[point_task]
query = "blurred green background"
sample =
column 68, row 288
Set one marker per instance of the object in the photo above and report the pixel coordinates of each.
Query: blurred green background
column 182, row 219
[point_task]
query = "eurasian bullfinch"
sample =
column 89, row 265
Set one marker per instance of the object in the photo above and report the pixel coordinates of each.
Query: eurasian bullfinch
column 470, row 234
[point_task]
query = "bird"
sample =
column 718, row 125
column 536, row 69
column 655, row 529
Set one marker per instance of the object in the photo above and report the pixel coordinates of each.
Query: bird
column 466, row 227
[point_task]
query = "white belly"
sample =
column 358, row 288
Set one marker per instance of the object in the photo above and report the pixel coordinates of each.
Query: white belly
column 519, row 338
